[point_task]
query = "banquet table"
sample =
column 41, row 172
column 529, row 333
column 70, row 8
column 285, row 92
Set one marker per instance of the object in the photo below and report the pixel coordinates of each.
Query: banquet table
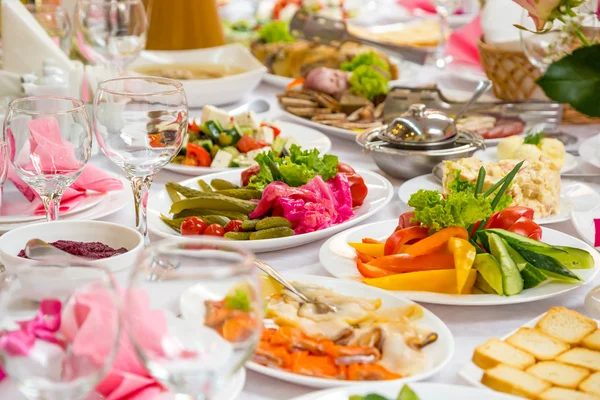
column 470, row 326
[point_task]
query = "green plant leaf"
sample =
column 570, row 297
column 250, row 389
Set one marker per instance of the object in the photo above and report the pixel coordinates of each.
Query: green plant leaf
column 575, row 79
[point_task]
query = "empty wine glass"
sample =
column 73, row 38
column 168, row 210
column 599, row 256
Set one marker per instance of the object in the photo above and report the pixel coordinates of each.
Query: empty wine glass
column 444, row 9
column 110, row 32
column 61, row 347
column 140, row 123
column 206, row 309
column 4, row 152
column 50, row 142
column 56, row 23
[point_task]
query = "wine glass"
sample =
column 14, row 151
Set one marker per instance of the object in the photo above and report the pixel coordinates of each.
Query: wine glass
column 140, row 123
column 56, row 23
column 65, row 344
column 206, row 309
column 443, row 8
column 110, row 32
column 50, row 142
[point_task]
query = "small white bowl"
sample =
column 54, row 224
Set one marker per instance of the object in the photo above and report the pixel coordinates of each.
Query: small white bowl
column 218, row 91
column 37, row 285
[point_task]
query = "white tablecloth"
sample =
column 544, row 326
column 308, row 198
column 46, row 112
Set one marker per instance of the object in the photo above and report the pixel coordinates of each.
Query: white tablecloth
column 470, row 326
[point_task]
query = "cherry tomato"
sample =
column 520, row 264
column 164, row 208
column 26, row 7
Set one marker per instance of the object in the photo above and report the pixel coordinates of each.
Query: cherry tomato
column 358, row 189
column 405, row 220
column 214, row 230
column 197, row 156
column 193, row 126
column 345, row 168
column 246, row 144
column 402, row 237
column 234, row 226
column 249, row 173
column 192, row 226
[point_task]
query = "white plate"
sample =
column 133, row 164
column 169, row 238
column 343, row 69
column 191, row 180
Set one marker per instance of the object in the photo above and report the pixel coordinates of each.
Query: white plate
column 425, row 391
column 491, row 155
column 429, row 182
column 589, row 150
column 210, row 91
column 306, row 138
column 438, row 353
column 473, row 374
column 337, row 257
column 585, row 211
column 380, row 193
column 332, row 130
column 276, row 80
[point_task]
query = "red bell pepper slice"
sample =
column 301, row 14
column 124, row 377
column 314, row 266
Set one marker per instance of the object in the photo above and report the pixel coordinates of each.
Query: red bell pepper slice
column 402, row 237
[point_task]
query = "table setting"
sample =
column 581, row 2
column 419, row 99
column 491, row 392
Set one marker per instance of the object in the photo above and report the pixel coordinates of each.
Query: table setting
column 294, row 199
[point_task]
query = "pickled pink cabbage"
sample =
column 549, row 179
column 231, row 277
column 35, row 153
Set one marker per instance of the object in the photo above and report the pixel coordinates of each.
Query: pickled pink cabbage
column 311, row 207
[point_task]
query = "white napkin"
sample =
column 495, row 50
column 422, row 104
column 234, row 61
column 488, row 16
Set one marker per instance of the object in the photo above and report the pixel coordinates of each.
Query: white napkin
column 497, row 20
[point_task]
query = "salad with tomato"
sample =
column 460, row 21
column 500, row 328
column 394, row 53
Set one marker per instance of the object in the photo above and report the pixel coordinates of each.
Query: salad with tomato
column 219, row 140
column 467, row 242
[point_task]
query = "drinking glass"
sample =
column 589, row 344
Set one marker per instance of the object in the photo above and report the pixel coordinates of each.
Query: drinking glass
column 206, row 309
column 50, row 142
column 140, row 123
column 443, row 8
column 55, row 21
column 110, row 32
column 70, row 338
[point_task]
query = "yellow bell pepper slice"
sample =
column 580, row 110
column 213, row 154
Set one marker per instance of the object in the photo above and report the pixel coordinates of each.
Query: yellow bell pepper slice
column 439, row 281
column 370, row 249
column 464, row 256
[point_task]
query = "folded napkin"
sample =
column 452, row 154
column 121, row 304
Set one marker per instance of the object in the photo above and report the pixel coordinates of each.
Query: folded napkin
column 85, row 322
column 462, row 44
column 426, row 6
column 53, row 154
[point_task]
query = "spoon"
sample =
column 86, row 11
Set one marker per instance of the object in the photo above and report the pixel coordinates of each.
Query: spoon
column 37, row 249
column 321, row 308
column 482, row 87
column 259, row 106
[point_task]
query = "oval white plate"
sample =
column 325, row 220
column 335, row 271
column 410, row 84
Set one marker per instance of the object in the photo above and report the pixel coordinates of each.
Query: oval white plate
column 429, row 182
column 491, row 155
column 341, row 133
column 338, row 257
column 438, row 353
column 306, row 138
column 425, row 391
column 589, row 150
column 380, row 193
column 584, row 212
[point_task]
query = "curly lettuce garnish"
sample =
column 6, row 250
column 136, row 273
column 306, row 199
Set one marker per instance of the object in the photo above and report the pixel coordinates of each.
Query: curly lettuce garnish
column 534, row 138
column 368, row 82
column 369, row 59
column 238, row 300
column 276, row 32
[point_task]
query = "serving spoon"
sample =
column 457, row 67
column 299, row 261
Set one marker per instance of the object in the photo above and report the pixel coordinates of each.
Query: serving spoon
column 37, row 249
column 259, row 106
column 321, row 308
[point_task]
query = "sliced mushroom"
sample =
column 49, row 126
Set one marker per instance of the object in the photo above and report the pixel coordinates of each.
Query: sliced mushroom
column 343, row 337
column 373, row 338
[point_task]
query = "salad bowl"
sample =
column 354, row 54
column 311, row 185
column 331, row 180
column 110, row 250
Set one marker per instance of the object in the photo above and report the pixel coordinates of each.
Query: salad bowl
column 380, row 192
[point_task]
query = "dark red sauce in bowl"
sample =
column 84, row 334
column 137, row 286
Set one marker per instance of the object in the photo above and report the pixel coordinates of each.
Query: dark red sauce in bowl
column 89, row 250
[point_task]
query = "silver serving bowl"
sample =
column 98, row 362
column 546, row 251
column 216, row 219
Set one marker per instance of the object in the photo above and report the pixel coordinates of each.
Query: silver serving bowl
column 405, row 163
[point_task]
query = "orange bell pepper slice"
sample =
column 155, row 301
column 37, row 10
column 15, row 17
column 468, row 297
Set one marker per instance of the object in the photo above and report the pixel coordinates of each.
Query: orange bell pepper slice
column 439, row 281
column 371, row 241
column 294, row 83
column 372, row 249
column 402, row 237
column 402, row 263
column 364, row 257
column 438, row 241
column 370, row 271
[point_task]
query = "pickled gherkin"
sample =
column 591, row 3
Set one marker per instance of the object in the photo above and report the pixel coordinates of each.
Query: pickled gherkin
column 244, row 194
column 200, row 212
column 213, row 201
column 183, row 190
column 272, row 233
column 221, row 184
column 249, row 225
column 205, row 186
column 238, row 235
column 272, row 222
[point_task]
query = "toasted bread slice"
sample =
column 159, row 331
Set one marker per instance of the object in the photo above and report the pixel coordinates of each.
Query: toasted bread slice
column 566, row 325
column 495, row 351
column 591, row 384
column 559, row 374
column 592, row 341
column 581, row 357
column 557, row 393
column 504, row 378
column 537, row 343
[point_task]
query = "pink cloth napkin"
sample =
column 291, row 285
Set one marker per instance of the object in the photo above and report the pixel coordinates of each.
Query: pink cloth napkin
column 53, row 155
column 85, row 326
column 422, row 5
column 462, row 43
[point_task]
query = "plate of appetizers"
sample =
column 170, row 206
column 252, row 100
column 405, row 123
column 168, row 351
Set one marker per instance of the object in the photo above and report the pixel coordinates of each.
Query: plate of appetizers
column 218, row 141
column 412, row 391
column 553, row 356
column 280, row 203
column 505, row 268
column 372, row 335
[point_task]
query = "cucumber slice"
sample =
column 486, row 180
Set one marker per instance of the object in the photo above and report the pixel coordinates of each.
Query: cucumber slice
column 481, row 284
column 576, row 258
column 489, row 270
column 531, row 275
column 549, row 265
column 512, row 282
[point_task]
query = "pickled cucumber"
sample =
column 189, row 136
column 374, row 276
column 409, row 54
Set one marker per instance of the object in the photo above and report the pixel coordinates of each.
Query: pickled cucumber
column 205, row 186
column 249, row 225
column 244, row 194
column 215, row 219
column 174, row 224
column 272, row 233
column 272, row 222
column 238, row 235
column 213, row 201
column 199, row 212
column 221, row 184
column 173, row 194
column 183, row 190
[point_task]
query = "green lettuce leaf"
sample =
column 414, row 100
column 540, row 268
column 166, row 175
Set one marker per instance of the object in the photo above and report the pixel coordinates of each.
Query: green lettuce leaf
column 369, row 59
column 239, row 300
column 368, row 82
column 276, row 32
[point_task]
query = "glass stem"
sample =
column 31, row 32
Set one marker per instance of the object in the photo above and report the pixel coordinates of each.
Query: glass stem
column 444, row 31
column 52, row 205
column 141, row 187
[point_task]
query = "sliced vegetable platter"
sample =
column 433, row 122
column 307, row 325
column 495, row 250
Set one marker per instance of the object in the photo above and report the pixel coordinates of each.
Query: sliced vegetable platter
column 338, row 258
column 380, row 192
column 298, row 134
